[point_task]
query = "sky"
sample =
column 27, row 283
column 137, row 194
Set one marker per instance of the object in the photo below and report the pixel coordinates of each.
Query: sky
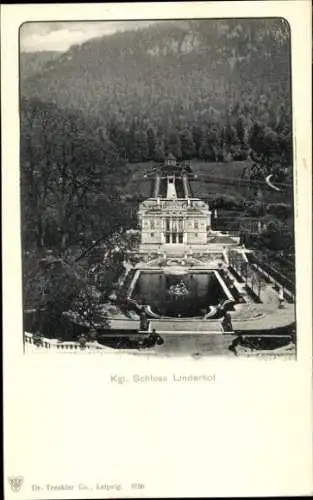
column 60, row 36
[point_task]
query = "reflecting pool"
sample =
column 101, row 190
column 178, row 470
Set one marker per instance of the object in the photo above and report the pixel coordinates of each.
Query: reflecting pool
column 179, row 295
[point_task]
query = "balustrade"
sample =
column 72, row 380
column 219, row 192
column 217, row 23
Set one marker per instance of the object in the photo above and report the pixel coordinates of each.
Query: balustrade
column 51, row 343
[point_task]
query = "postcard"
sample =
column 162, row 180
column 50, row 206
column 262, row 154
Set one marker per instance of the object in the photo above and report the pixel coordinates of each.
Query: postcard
column 157, row 249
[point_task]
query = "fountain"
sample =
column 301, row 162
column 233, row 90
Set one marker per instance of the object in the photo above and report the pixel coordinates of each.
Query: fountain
column 177, row 292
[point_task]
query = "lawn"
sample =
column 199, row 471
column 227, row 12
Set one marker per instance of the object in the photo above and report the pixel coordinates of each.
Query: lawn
column 212, row 180
column 220, row 169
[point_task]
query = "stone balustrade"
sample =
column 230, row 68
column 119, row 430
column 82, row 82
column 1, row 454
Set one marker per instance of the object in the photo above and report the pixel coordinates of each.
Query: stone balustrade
column 44, row 343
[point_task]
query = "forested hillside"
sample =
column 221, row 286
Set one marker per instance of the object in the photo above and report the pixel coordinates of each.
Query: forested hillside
column 32, row 63
column 71, row 193
column 203, row 89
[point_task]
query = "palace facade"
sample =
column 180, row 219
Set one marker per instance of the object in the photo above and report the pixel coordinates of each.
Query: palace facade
column 173, row 217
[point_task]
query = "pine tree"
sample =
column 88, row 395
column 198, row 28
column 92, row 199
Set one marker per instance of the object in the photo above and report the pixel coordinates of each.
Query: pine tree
column 187, row 145
column 240, row 129
column 174, row 145
column 151, row 143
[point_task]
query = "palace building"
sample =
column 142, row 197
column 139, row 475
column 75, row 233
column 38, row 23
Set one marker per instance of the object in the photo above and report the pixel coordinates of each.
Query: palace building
column 173, row 217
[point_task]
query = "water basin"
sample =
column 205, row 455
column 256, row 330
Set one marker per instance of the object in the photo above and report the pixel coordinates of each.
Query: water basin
column 179, row 294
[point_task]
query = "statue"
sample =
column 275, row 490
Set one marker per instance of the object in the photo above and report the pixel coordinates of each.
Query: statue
column 281, row 298
column 153, row 339
column 93, row 333
column 143, row 319
column 226, row 322
column 82, row 339
column 37, row 339
column 179, row 289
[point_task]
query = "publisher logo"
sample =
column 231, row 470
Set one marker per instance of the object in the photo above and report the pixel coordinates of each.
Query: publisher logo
column 15, row 482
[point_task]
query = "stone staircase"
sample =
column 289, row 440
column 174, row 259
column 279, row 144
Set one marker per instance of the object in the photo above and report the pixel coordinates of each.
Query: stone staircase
column 195, row 345
column 196, row 326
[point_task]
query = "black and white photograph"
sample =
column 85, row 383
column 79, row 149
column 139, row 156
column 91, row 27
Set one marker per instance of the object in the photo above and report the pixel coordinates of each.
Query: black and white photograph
column 157, row 187
column 157, row 249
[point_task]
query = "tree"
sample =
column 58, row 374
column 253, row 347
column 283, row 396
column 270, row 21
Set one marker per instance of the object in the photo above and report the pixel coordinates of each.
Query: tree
column 196, row 136
column 173, row 145
column 213, row 139
column 256, row 139
column 241, row 130
column 137, row 143
column 230, row 136
column 60, row 290
column 159, row 153
column 86, row 305
column 151, row 142
column 67, row 168
column 118, row 136
column 187, row 145
column 270, row 144
column 207, row 149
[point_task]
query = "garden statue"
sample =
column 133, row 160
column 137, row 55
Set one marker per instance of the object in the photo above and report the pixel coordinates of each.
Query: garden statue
column 82, row 339
column 143, row 319
column 152, row 340
column 37, row 339
column 179, row 289
column 93, row 333
column 293, row 336
column 237, row 342
column 226, row 322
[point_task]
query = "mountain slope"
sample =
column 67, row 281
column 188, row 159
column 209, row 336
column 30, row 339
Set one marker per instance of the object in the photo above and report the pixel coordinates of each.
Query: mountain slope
column 213, row 90
column 32, row 63
column 191, row 65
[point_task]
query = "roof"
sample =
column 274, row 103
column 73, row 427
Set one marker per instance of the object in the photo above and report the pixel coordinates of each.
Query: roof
column 164, row 205
column 170, row 156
